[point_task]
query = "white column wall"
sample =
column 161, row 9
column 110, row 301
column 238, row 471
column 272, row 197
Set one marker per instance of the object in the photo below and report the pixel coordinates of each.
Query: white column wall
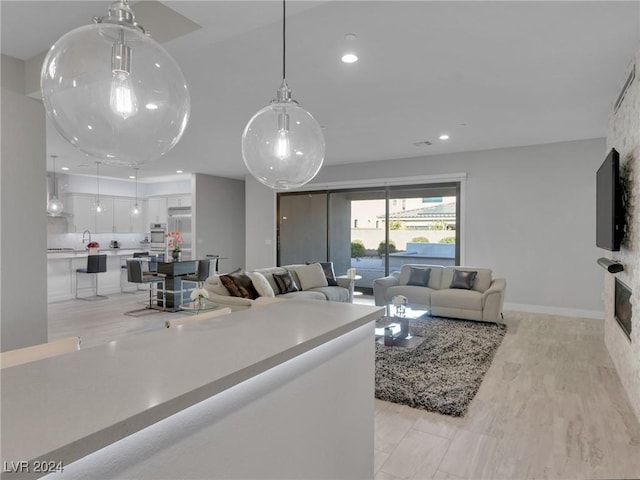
column 23, row 240
column 219, row 220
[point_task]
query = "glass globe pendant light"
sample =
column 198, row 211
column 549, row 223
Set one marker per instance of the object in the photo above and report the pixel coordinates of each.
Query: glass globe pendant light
column 54, row 206
column 283, row 145
column 136, row 211
column 113, row 92
column 98, row 208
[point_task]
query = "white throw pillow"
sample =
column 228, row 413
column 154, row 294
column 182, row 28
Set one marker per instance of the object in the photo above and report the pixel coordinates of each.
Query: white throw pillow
column 214, row 285
column 311, row 276
column 261, row 284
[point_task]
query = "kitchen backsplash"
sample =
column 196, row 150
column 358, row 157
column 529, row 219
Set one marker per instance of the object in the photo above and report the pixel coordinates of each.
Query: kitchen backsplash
column 74, row 240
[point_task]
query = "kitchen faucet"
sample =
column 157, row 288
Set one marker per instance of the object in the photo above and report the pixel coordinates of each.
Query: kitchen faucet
column 83, row 234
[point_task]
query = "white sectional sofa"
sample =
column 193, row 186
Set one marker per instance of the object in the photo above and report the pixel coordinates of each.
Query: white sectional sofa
column 311, row 282
column 454, row 292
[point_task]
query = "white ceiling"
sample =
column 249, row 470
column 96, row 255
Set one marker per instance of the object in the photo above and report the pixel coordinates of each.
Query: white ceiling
column 490, row 74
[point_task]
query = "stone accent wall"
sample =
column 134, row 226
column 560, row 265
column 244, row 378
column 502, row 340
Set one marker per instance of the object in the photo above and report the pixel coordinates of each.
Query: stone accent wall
column 623, row 134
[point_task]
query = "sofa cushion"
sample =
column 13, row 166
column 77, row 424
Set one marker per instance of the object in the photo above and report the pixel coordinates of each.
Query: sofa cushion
column 239, row 285
column 285, row 282
column 419, row 277
column 302, row 295
column 461, row 299
column 435, row 274
column 261, row 284
column 333, row 294
column 480, row 284
column 311, row 276
column 463, row 279
column 415, row 295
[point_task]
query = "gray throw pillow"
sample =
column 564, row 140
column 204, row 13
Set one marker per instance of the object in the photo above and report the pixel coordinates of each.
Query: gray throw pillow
column 285, row 282
column 463, row 279
column 419, row 277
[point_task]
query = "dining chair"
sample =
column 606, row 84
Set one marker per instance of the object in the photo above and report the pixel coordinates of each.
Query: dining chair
column 135, row 274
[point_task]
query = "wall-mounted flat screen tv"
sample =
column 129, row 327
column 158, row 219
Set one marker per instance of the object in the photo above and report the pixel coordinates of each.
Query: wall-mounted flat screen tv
column 609, row 206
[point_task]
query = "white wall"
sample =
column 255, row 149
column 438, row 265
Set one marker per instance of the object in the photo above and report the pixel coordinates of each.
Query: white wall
column 219, row 220
column 529, row 215
column 23, row 241
column 260, row 220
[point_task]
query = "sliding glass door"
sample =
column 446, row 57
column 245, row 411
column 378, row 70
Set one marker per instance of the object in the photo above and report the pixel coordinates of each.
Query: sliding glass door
column 374, row 230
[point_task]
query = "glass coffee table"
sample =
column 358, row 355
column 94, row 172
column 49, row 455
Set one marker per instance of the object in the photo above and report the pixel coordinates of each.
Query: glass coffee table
column 394, row 330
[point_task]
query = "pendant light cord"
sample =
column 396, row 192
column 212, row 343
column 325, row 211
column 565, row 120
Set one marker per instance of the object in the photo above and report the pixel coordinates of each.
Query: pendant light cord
column 53, row 157
column 284, row 41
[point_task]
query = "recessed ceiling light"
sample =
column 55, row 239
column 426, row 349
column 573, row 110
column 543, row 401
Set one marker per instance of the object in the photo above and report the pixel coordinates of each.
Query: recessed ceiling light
column 179, row 171
column 64, row 168
column 349, row 58
column 132, row 177
column 444, row 137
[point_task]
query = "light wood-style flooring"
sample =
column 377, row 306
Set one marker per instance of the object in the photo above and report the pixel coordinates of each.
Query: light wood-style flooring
column 550, row 406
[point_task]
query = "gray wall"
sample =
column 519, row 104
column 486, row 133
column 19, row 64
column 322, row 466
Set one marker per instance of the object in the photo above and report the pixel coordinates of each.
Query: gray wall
column 529, row 214
column 219, row 220
column 260, row 223
column 23, row 230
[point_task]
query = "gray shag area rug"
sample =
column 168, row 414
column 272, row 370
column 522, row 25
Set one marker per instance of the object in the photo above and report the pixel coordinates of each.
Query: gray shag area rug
column 445, row 371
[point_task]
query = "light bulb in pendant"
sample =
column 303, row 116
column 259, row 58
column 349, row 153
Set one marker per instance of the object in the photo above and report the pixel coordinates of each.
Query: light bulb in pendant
column 135, row 211
column 122, row 100
column 283, row 143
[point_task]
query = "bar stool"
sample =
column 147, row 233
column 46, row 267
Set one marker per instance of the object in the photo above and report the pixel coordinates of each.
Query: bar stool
column 124, row 269
column 202, row 273
column 95, row 264
column 136, row 275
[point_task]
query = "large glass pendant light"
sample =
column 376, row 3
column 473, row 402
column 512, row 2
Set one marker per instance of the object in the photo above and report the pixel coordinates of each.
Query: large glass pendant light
column 283, row 145
column 136, row 211
column 114, row 92
column 98, row 208
column 54, row 206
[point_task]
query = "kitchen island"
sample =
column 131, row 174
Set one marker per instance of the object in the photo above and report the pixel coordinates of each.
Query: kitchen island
column 283, row 390
column 61, row 272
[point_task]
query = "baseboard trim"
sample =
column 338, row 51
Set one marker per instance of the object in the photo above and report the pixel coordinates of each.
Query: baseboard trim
column 566, row 312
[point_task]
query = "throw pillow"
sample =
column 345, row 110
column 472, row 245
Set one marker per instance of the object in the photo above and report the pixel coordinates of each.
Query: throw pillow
column 311, row 276
column 285, row 282
column 419, row 277
column 239, row 285
column 329, row 273
column 214, row 285
column 261, row 284
column 463, row 279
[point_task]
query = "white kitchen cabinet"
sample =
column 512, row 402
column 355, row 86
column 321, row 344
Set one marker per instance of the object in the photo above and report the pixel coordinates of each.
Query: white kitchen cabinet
column 157, row 210
column 140, row 224
column 104, row 221
column 181, row 201
column 83, row 217
column 122, row 215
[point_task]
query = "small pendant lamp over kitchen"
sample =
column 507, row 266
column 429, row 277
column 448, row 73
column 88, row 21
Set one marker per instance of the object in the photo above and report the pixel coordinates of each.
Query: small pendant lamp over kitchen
column 54, row 205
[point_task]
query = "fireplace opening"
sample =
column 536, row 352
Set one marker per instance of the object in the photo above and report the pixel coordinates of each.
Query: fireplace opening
column 623, row 307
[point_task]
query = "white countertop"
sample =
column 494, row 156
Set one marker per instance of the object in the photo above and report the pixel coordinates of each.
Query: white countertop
column 65, row 407
column 67, row 254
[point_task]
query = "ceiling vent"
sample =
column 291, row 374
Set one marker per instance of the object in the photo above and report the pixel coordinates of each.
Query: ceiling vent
column 625, row 89
column 424, row 143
